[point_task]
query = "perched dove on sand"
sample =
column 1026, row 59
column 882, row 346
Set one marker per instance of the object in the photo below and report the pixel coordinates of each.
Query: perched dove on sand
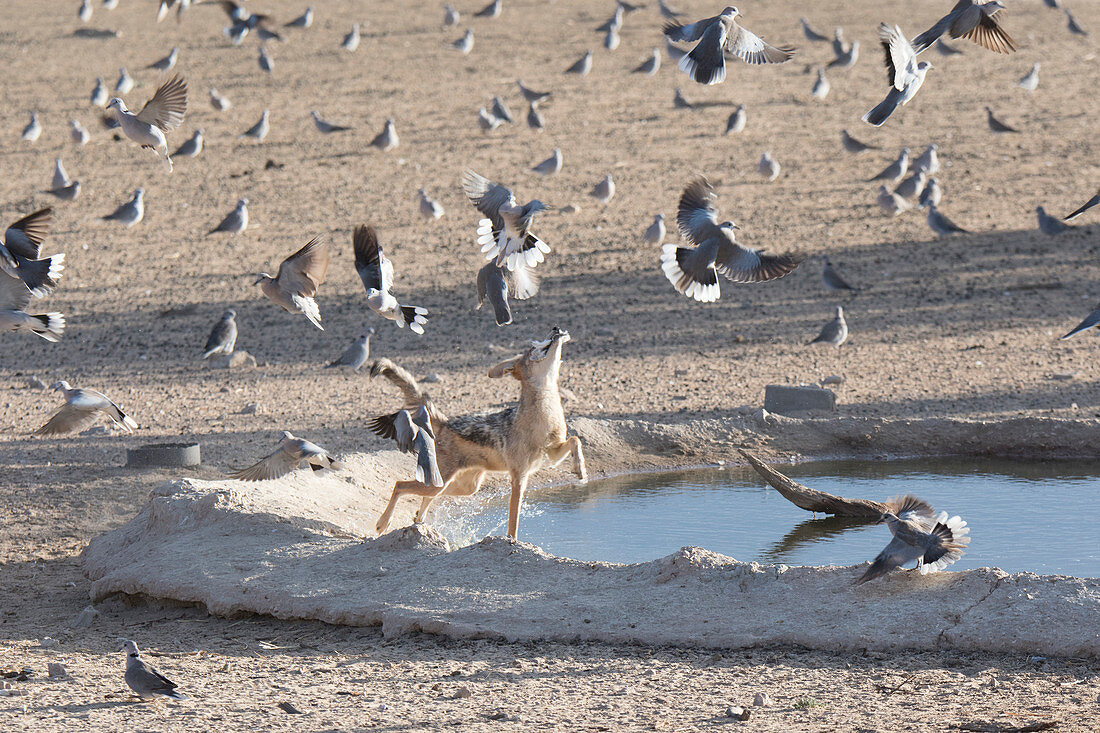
column 351, row 40
column 66, row 193
column 694, row 270
column 163, row 113
column 996, row 125
column 297, row 281
column 125, row 82
column 534, row 117
column 430, row 209
column 832, row 279
column 847, row 58
column 305, row 20
column 78, row 132
column 1048, row 224
column 1085, row 207
column 492, row 10
column 60, row 177
column 551, row 165
column 131, row 212
column 264, row 60
column 838, row 44
column 291, row 454
column 219, row 101
column 679, row 101
column 223, row 337
column 931, row 194
column 615, row 21
column 911, row 187
column 258, row 131
column 144, row 679
column 236, row 221
column 1030, row 81
column 821, row 86
column 501, row 111
column 706, row 63
column 891, row 202
column 928, row 161
column 505, row 235
column 810, row 33
column 941, row 225
column 81, row 408
column 905, row 73
column 650, row 66
column 973, row 19
column 466, row 43
column 896, row 170
column 488, row 121
column 603, row 191
column 326, row 127
column 530, row 94
column 20, row 255
column 582, row 66
column 1074, row 27
column 768, row 166
column 355, row 355
column 655, row 232
column 166, row 63
column 495, row 283
column 412, row 431
column 33, row 130
column 736, row 121
column 15, row 297
column 376, row 272
column 853, row 145
column 835, row 332
column 191, row 147
column 1092, row 320
column 612, row 40
column 450, row 16
column 100, row 94
column 84, row 12
column 387, row 139
column 933, row 541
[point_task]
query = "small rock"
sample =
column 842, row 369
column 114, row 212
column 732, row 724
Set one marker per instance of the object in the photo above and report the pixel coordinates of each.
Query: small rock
column 287, row 707
column 252, row 408
column 432, row 378
column 736, row 711
column 762, row 700
column 832, row 379
column 463, row 693
column 58, row 671
column 35, row 383
column 47, row 643
column 85, row 617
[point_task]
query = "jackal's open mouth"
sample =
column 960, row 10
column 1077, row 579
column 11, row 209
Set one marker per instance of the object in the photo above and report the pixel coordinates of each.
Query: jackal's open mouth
column 540, row 349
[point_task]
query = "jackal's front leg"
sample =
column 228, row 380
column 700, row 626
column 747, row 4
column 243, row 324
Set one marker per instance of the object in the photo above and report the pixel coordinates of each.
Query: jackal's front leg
column 572, row 444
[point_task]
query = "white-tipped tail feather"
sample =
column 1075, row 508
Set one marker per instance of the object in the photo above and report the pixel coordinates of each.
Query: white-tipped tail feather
column 50, row 326
column 954, row 535
column 704, row 292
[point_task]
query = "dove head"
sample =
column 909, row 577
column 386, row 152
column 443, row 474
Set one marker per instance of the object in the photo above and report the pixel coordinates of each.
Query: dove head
column 990, row 8
column 262, row 277
column 286, row 435
column 116, row 106
column 130, row 648
column 924, row 66
column 241, row 203
column 138, row 193
column 728, row 227
column 839, row 312
column 61, row 386
column 229, row 314
column 729, row 13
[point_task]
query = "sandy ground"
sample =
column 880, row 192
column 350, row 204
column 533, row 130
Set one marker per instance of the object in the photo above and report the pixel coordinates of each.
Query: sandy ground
column 964, row 327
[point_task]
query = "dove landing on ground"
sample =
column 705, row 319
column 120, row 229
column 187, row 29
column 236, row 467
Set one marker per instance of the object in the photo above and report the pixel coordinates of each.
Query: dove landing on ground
column 430, row 209
column 1085, row 207
column 299, row 277
column 412, row 431
column 144, row 679
column 896, row 170
column 33, row 130
column 236, row 221
column 131, row 212
column 81, row 408
column 190, row 147
column 706, row 63
column 356, row 354
column 1050, row 225
column 258, row 131
column 933, row 541
column 736, row 121
column 376, row 272
column 905, row 73
column 291, row 454
column 655, row 233
column 1030, row 81
column 223, row 337
column 768, row 167
column 941, row 225
column 163, row 113
column 496, row 283
column 835, row 332
column 551, row 165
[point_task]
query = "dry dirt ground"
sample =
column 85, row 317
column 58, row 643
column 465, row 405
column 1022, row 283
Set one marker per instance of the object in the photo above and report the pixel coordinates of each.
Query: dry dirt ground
column 962, row 327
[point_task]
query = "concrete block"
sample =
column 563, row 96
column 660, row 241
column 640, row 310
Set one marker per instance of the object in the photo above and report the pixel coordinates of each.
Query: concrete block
column 784, row 399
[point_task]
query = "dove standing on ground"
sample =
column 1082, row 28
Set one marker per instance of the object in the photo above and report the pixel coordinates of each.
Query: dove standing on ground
column 305, row 20
column 326, row 127
column 33, row 130
column 131, row 212
column 905, row 73
column 351, row 40
column 355, row 355
column 376, row 272
column 21, row 250
column 582, row 66
column 1030, row 81
column 655, row 232
column 492, row 10
column 821, row 86
column 166, row 63
column 466, row 43
column 450, row 16
column 66, row 193
column 941, row 225
column 736, row 121
column 430, row 209
column 551, row 165
column 603, row 191
column 650, row 66
column 219, row 102
column 847, row 58
column 679, row 101
column 1085, row 207
column 896, row 170
column 611, row 40
column 996, row 125
column 929, row 160
column 488, row 121
column 1074, row 27
column 99, row 93
column 190, row 147
column 892, row 203
column 706, row 63
column 854, row 146
column 1048, row 224
column 501, row 111
column 223, row 337
column 297, row 281
column 81, row 408
column 495, row 283
column 163, row 113
column 913, row 185
column 973, row 19
column 838, row 44
column 530, row 94
column 78, row 132
column 258, row 131
column 1092, row 320
column 810, row 33
column 236, row 221
column 412, row 431
column 144, row 679
column 694, row 270
column 265, row 61
column 60, row 177
column 933, row 541
column 125, row 83
column 768, row 166
column 615, row 21
column 832, row 279
column 534, row 117
column 387, row 139
column 931, row 194
column 84, row 12
column 290, row 455
column 835, row 332
column 505, row 235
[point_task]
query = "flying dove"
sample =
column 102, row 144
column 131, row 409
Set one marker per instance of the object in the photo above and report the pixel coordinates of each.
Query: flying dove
column 1048, row 224
column 973, row 19
column 905, row 73
column 495, row 283
column 1092, row 320
column 847, row 58
column 1085, row 207
column 933, row 541
column 412, row 431
column 305, row 20
column 131, row 212
column 218, row 101
column 896, row 170
column 655, row 232
column 488, row 121
column 264, row 60
column 78, row 132
column 326, row 127
column 853, row 145
column 611, row 40
column 716, row 36
column 19, row 255
column 356, row 354
column 99, row 93
column 832, row 279
column 835, row 332
column 166, row 63
column 929, row 160
column 505, row 235
column 650, row 66
column 223, row 337
column 236, row 221
column 941, row 225
column 376, row 272
column 892, row 203
column 1073, row 25
column 190, row 147
column 534, row 117
column 387, row 139
column 430, row 209
column 33, row 130
column 551, row 165
column 466, row 43
column 931, row 194
column 291, row 454
column 667, row 11
column 15, row 296
column 530, row 94
column 768, row 166
column 821, row 86
column 163, row 113
column 125, row 82
column 84, row 12
column 996, row 125
column 680, row 102
column 351, row 40
column 694, row 270
column 603, row 191
column 450, row 16
column 810, row 33
column 297, row 281
column 1030, row 81
column 912, row 186
column 144, row 679
column 736, row 121
column 258, row 131
column 81, row 408
column 582, row 66
column 501, row 111
column 492, row 10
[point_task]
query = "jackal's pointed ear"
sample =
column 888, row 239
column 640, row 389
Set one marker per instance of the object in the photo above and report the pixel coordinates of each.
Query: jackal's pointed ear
column 508, row 366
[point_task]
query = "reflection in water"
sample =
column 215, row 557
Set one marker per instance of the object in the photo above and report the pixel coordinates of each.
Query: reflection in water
column 817, row 529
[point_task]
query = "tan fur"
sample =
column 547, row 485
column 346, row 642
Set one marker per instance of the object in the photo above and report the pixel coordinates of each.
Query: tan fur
column 515, row 442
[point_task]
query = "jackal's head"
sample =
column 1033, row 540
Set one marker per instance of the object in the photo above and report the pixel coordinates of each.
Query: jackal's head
column 538, row 366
